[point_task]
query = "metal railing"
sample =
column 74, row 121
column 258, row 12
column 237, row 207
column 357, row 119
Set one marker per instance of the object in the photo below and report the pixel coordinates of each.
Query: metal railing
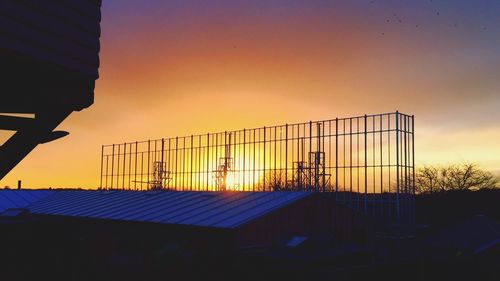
column 368, row 161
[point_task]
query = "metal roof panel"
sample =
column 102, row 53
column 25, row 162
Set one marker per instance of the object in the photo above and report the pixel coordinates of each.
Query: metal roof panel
column 20, row 198
column 208, row 209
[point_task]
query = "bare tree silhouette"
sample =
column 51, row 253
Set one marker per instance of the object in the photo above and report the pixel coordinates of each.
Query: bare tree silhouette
column 466, row 176
column 427, row 180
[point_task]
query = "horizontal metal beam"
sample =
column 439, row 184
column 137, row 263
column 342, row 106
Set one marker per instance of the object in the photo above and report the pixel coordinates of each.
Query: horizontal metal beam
column 14, row 123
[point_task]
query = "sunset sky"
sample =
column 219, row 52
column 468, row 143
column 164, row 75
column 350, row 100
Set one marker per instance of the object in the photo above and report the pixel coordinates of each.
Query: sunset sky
column 181, row 67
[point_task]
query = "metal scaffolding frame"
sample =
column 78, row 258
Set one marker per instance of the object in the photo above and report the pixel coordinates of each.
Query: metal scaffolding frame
column 367, row 161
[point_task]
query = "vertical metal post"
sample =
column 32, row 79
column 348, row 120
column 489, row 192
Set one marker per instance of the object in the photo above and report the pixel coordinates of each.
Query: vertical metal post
column 406, row 154
column 374, row 163
column 350, row 155
column 286, row 157
column 389, row 178
column 135, row 167
column 336, row 158
column 413, row 165
column 107, row 165
column 381, row 168
column 112, row 166
column 406, row 165
column 329, row 151
column 309, row 154
column 236, row 166
column 169, row 160
column 323, row 153
column 102, row 160
column 191, row 165
column 142, row 168
column 234, row 163
column 208, row 160
column 317, row 153
column 216, row 158
column 293, row 153
column 183, row 171
column 227, row 153
column 253, row 178
column 281, row 167
column 244, row 157
column 118, row 167
column 358, row 196
column 397, row 165
column 264, row 175
column 275, row 150
column 199, row 162
column 162, row 185
column 169, row 165
column 366, row 165
column 124, row 164
column 155, row 155
column 176, row 187
column 343, row 163
column 149, row 164
column 300, row 157
column 129, row 174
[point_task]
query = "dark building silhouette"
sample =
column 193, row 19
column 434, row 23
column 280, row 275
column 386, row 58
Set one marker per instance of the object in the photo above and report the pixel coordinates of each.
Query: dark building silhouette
column 228, row 219
column 50, row 57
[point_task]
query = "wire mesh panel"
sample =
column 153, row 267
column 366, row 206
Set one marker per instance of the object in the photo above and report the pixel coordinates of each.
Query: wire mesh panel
column 367, row 161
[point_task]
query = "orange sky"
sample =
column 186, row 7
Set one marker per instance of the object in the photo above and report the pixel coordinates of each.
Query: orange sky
column 180, row 67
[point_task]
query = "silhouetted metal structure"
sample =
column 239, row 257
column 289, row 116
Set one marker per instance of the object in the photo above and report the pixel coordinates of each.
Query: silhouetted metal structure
column 49, row 60
column 224, row 174
column 366, row 162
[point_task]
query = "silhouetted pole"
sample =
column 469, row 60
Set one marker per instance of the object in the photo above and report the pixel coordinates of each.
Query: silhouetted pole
column 397, row 164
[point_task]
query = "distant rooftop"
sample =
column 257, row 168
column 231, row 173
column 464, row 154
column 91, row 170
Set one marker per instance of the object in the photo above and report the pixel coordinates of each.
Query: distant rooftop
column 10, row 199
column 206, row 209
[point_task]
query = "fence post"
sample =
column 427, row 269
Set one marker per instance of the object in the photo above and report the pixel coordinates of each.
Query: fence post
column 102, row 159
column 366, row 165
column 397, row 165
column 112, row 166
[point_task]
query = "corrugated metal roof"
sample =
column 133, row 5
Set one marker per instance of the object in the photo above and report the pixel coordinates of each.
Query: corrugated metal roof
column 20, row 198
column 208, row 209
